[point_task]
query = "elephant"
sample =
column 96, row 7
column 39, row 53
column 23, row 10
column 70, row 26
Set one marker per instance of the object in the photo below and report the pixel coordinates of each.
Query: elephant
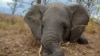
column 56, row 23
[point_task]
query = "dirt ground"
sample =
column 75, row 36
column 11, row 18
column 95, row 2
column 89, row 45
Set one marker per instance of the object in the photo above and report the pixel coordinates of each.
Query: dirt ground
column 17, row 43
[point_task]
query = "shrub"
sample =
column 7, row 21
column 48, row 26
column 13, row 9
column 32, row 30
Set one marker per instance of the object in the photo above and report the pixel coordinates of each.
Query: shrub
column 9, row 22
column 90, row 26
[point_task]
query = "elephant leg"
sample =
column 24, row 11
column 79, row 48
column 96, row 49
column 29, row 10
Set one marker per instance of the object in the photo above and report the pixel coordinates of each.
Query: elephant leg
column 76, row 32
column 82, row 40
column 51, row 49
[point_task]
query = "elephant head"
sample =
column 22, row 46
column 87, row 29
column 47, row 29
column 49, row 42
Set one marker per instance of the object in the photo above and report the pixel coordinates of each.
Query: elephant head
column 50, row 23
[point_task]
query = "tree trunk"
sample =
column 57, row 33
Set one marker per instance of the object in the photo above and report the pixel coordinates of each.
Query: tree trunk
column 44, row 2
column 38, row 1
column 14, row 7
column 79, row 1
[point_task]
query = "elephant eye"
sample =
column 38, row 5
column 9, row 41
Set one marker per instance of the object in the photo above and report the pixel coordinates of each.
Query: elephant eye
column 64, row 27
column 31, row 18
column 30, row 13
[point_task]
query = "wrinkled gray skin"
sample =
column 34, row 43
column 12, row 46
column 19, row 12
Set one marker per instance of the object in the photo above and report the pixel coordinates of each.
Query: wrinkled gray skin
column 56, row 23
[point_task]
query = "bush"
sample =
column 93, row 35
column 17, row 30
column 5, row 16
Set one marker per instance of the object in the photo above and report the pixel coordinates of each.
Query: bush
column 90, row 26
column 4, row 25
column 9, row 22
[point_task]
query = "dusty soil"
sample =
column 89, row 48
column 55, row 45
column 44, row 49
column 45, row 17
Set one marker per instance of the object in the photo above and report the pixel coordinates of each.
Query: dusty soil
column 17, row 43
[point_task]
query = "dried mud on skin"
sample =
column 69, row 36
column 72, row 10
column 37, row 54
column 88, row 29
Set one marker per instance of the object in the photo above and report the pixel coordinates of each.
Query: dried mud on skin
column 15, row 43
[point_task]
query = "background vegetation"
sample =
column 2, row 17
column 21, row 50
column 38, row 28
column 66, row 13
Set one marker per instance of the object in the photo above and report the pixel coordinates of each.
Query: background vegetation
column 16, row 38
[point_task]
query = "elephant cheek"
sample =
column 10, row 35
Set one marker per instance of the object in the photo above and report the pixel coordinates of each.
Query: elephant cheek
column 36, row 31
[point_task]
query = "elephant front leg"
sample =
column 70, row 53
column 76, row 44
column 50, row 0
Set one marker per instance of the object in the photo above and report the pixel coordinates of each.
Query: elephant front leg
column 51, row 49
column 76, row 33
column 82, row 40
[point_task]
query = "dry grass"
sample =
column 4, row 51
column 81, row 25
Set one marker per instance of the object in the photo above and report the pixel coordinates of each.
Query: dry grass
column 8, row 22
column 90, row 26
column 16, row 39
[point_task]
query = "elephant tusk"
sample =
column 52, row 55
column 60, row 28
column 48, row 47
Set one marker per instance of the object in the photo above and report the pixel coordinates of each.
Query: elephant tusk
column 40, row 50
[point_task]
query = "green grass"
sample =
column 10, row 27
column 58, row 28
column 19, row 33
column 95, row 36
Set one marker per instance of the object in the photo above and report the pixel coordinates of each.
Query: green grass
column 5, row 25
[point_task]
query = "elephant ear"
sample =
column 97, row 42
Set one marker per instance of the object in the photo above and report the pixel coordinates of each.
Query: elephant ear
column 79, row 19
column 79, row 15
column 34, row 20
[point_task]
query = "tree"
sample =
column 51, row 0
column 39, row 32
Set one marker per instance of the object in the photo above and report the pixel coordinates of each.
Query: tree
column 38, row 1
column 79, row 1
column 15, row 5
column 91, row 5
column 44, row 2
column 29, row 2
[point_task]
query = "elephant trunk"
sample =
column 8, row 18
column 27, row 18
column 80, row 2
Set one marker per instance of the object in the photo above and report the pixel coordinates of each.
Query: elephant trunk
column 50, row 40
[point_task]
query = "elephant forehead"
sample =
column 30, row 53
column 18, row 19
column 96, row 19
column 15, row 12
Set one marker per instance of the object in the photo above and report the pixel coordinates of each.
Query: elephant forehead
column 51, row 23
column 55, row 13
column 57, row 4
